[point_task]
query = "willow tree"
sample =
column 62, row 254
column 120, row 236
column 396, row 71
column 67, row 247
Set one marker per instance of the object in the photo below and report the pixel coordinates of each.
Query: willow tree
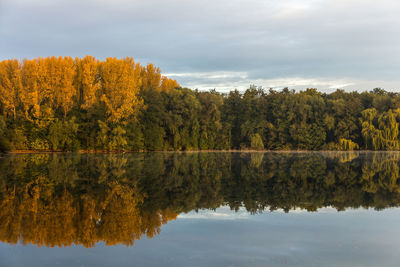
column 380, row 131
column 346, row 144
column 389, row 129
column 369, row 131
column 256, row 142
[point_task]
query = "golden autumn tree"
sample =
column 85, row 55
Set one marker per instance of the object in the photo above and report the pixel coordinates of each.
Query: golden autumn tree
column 151, row 77
column 47, row 86
column 10, row 84
column 56, row 77
column 168, row 84
column 46, row 79
column 29, row 94
column 120, row 84
column 87, row 81
column 64, row 91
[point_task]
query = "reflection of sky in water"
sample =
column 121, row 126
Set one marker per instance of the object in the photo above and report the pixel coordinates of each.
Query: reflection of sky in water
column 225, row 238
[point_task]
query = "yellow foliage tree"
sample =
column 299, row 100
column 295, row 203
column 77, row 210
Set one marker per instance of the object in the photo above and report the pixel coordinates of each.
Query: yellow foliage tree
column 38, row 89
column 29, row 96
column 64, row 91
column 10, row 84
column 168, row 84
column 151, row 77
column 346, row 144
column 87, row 81
column 120, row 83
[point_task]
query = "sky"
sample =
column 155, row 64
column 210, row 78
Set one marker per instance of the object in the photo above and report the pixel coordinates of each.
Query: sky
column 220, row 44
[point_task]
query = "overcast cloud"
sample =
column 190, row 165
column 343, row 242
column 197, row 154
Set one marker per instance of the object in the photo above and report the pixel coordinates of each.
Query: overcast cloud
column 222, row 44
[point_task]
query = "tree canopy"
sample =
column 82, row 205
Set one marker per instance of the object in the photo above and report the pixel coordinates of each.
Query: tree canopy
column 61, row 103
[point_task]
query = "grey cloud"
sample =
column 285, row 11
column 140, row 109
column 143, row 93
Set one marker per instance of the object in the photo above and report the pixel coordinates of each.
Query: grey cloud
column 326, row 40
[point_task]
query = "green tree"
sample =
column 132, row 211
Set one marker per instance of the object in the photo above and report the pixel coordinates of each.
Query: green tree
column 256, row 142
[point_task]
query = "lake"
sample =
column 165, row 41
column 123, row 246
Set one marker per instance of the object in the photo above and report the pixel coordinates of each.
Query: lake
column 200, row 209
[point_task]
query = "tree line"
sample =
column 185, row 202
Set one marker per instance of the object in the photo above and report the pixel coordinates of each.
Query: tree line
column 65, row 199
column 65, row 104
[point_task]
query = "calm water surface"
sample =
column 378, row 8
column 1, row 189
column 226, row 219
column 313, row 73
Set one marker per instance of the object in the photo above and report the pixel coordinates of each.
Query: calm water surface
column 200, row 209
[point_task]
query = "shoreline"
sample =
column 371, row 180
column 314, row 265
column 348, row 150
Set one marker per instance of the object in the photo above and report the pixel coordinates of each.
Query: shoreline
column 184, row 151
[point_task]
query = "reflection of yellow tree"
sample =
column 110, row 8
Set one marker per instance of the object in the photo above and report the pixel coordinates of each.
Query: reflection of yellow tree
column 9, row 221
column 256, row 159
column 347, row 156
column 153, row 221
column 120, row 219
column 39, row 216
column 381, row 172
column 64, row 199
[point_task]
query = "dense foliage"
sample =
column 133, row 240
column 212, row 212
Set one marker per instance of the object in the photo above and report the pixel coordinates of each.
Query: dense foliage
column 117, row 104
column 61, row 199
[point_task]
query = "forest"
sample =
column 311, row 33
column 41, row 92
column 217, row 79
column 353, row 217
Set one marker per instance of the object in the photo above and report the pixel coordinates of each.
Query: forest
column 85, row 104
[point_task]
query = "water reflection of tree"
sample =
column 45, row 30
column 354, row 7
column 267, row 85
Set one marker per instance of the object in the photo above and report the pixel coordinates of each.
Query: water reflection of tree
column 61, row 199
